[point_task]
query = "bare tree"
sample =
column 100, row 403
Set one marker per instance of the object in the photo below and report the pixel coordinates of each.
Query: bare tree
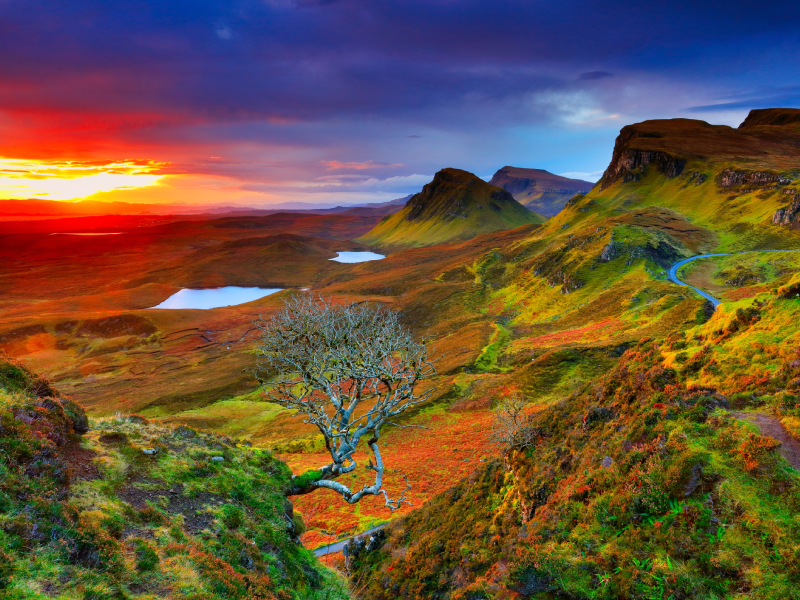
column 512, row 427
column 348, row 369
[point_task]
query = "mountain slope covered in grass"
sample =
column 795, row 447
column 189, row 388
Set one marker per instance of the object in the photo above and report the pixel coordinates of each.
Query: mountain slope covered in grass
column 647, row 483
column 539, row 190
column 129, row 509
column 545, row 311
column 675, row 474
column 455, row 206
column 673, row 189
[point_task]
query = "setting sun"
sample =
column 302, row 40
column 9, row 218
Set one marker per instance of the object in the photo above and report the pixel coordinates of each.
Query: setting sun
column 70, row 180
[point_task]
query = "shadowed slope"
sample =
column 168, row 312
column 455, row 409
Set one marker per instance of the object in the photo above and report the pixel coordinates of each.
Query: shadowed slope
column 539, row 190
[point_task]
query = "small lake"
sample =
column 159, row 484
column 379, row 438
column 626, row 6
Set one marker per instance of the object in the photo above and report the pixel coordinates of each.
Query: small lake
column 357, row 257
column 215, row 297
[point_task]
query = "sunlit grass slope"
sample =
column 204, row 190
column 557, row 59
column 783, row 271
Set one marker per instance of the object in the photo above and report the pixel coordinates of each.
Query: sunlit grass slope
column 134, row 510
column 647, row 483
column 456, row 205
column 596, row 272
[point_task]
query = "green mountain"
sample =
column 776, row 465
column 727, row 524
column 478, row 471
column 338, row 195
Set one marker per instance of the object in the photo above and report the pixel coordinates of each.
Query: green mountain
column 539, row 190
column 740, row 184
column 456, row 205
column 673, row 474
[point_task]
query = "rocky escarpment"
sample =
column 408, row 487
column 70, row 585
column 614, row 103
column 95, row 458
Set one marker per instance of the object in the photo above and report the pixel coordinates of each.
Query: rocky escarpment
column 730, row 177
column 788, row 215
column 630, row 164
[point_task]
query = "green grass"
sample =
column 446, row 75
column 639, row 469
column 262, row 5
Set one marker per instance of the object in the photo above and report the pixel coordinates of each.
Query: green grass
column 650, row 497
column 242, row 417
column 455, row 206
column 94, row 517
column 487, row 361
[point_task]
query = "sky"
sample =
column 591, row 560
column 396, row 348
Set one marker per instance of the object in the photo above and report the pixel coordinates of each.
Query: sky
column 260, row 102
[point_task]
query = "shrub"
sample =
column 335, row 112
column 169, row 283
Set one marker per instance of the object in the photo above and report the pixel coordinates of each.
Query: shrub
column 146, row 556
column 232, row 516
column 6, row 569
column 755, row 449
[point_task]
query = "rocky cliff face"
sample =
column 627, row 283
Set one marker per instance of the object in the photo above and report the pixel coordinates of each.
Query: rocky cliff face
column 630, row 164
column 731, row 177
column 788, row 216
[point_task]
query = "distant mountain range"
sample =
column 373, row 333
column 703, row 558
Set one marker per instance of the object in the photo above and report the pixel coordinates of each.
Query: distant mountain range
column 539, row 190
column 34, row 208
column 456, row 205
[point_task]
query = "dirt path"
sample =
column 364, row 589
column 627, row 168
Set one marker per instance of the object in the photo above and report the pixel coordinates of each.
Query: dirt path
column 790, row 445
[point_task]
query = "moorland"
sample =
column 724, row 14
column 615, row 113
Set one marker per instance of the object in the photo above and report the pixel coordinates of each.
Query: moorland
column 662, row 460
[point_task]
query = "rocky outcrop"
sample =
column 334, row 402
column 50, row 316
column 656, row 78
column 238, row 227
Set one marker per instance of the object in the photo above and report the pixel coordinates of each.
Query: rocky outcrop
column 730, row 177
column 661, row 253
column 697, row 178
column 611, row 251
column 630, row 164
column 788, row 216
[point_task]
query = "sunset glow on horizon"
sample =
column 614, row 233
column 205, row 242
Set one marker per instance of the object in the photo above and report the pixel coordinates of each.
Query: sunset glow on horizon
column 227, row 104
column 73, row 180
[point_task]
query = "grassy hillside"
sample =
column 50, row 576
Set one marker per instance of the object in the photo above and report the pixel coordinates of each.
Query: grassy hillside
column 133, row 510
column 456, row 205
column 539, row 190
column 541, row 309
column 596, row 272
column 651, row 482
column 270, row 261
column 606, row 509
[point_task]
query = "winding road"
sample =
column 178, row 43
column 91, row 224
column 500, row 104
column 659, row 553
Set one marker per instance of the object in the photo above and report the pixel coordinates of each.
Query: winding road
column 777, row 431
column 337, row 546
column 672, row 275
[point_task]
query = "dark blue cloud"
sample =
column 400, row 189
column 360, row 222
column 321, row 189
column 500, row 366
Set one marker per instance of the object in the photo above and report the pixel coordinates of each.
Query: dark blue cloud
column 307, row 57
column 593, row 75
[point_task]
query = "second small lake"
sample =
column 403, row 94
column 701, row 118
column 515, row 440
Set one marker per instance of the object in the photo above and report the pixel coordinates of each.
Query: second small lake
column 215, row 297
column 357, row 257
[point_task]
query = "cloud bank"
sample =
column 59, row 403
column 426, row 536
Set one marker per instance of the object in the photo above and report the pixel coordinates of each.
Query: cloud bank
column 267, row 97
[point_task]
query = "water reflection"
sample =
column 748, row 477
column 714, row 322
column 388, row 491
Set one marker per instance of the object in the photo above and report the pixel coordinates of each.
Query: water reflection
column 215, row 297
column 357, row 257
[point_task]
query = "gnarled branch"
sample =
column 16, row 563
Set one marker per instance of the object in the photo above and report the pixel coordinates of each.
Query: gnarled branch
column 348, row 369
